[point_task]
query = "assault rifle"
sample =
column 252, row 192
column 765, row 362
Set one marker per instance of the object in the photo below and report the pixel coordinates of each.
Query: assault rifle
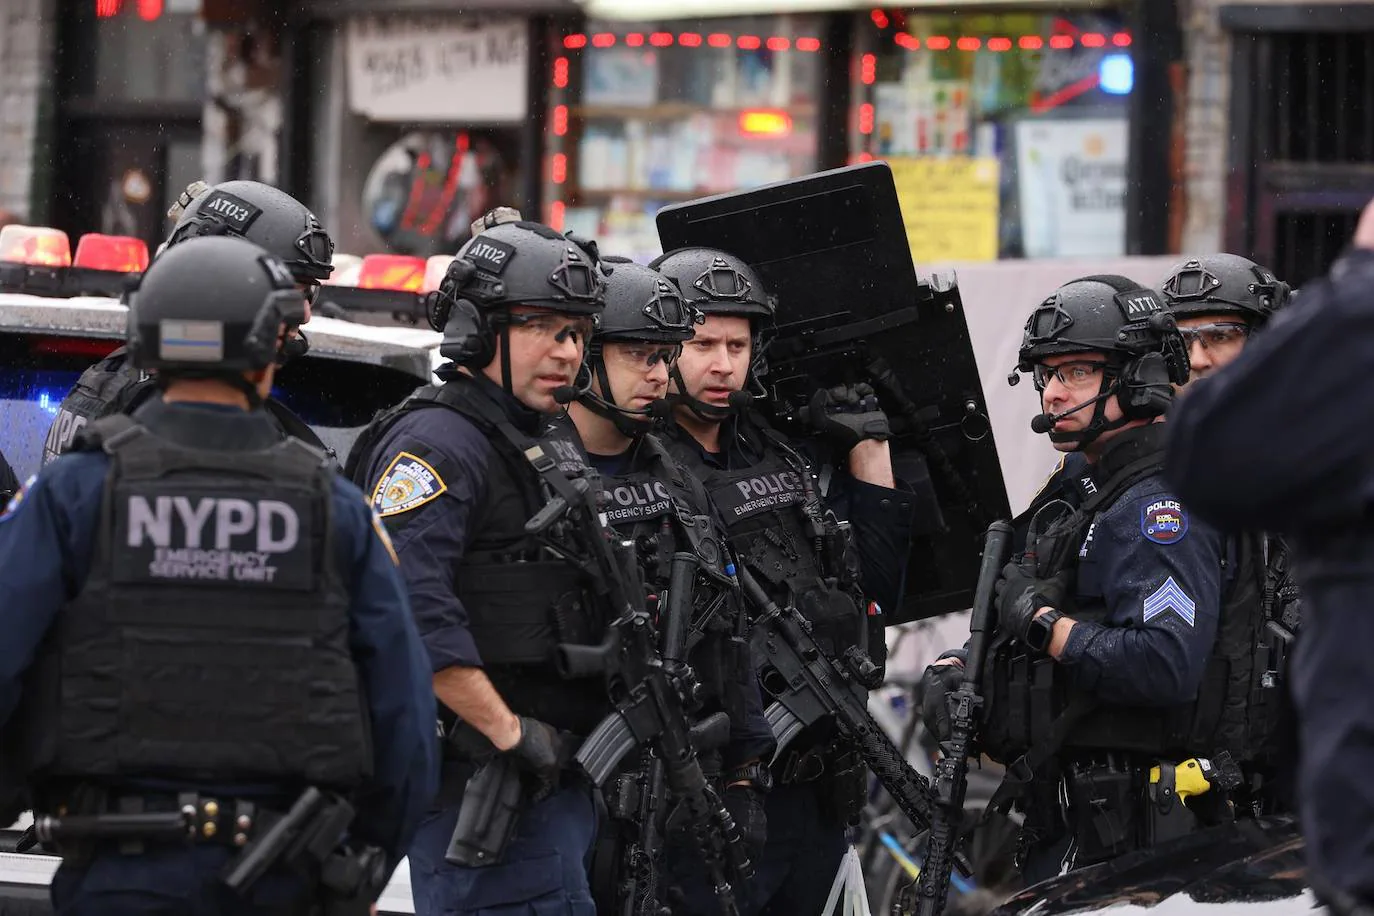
column 808, row 686
column 652, row 691
column 951, row 774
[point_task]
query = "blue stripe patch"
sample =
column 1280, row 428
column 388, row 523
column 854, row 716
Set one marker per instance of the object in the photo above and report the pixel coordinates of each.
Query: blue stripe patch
column 1170, row 597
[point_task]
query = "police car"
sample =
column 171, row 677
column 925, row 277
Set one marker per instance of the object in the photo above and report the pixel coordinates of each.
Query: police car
column 58, row 315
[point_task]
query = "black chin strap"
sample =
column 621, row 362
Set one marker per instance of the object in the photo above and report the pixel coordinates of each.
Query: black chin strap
column 1099, row 424
column 631, row 423
column 706, row 413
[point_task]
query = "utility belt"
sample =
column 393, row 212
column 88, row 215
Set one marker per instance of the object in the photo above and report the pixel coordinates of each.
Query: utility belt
column 307, row 838
column 1114, row 803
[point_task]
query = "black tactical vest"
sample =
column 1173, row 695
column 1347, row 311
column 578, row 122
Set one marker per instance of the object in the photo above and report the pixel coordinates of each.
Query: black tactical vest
column 1031, row 708
column 779, row 529
column 210, row 641
column 114, row 386
column 521, row 600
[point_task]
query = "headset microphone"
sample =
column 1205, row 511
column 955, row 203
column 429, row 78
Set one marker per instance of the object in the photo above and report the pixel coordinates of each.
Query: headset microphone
column 741, row 399
column 566, row 394
column 1044, row 422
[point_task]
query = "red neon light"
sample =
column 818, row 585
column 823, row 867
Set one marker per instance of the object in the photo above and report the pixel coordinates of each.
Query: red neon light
column 868, row 69
column 778, row 43
column 907, row 40
column 1060, row 42
column 970, row 44
column 558, row 171
column 749, row 42
column 107, row 9
column 689, row 40
column 808, row 44
column 999, row 44
column 719, row 40
column 865, row 157
column 560, row 72
column 937, row 43
column 661, row 39
column 556, row 213
column 1122, row 39
column 1093, row 39
column 603, row 40
column 150, row 10
column 634, row 40
column 866, row 118
column 1030, row 42
column 1068, row 93
column 560, row 120
column 880, row 19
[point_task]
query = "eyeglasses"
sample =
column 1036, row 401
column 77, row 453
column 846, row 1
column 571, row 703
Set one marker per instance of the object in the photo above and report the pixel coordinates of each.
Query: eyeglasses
column 1074, row 376
column 643, row 356
column 554, row 326
column 1220, row 334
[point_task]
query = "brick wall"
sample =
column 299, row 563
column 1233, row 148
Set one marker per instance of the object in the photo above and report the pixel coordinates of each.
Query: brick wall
column 1207, row 115
column 25, row 69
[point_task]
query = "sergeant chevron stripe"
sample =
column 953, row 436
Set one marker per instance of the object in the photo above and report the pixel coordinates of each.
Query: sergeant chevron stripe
column 1170, row 597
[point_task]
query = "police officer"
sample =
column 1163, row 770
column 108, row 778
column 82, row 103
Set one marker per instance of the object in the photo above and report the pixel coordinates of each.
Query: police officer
column 1109, row 667
column 1219, row 301
column 1307, row 376
column 260, row 213
column 202, row 620
column 451, row 473
column 652, row 500
column 767, row 492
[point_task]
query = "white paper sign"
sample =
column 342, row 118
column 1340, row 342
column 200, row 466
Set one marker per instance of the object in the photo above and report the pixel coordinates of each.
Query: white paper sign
column 1072, row 177
column 417, row 68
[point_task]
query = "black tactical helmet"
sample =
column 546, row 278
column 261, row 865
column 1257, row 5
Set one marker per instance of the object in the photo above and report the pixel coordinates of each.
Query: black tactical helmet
column 512, row 263
column 716, row 283
column 211, row 307
column 1129, row 326
column 642, row 305
column 1225, row 284
column 266, row 216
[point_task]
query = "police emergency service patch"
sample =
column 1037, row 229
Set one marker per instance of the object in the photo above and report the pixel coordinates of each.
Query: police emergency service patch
column 407, row 484
column 1170, row 597
column 1164, row 521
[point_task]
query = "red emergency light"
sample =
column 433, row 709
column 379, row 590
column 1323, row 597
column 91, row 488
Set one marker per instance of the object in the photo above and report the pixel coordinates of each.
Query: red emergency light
column 39, row 246
column 392, row 271
column 120, row 253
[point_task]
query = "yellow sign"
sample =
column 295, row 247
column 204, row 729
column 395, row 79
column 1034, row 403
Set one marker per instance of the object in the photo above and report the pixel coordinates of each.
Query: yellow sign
column 949, row 206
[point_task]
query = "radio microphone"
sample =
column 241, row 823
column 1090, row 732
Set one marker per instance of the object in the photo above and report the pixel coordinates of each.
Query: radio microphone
column 740, row 400
column 566, row 394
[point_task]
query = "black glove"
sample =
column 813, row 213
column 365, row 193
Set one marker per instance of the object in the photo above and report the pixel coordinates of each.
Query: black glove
column 848, row 415
column 937, row 686
column 538, row 753
column 745, row 804
column 1020, row 595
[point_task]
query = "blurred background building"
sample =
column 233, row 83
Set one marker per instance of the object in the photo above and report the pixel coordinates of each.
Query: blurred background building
column 1015, row 129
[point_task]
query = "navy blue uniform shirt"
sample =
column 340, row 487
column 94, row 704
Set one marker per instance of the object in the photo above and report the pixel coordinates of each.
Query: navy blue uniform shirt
column 47, row 537
column 9, row 484
column 1282, row 439
column 1157, row 571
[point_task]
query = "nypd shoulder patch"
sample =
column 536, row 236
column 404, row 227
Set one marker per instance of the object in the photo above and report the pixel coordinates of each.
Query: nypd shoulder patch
column 1163, row 521
column 409, row 482
column 1170, row 598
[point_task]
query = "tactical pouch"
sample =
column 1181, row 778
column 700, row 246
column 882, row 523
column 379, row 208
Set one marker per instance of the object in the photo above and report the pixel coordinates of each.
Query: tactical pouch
column 844, row 791
column 1104, row 803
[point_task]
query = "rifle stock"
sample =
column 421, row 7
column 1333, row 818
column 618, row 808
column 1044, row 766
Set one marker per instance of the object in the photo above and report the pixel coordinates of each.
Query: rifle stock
column 951, row 774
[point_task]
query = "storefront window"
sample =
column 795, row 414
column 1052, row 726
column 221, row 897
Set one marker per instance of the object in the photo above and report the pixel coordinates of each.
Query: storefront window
column 644, row 114
column 1007, row 132
column 148, row 59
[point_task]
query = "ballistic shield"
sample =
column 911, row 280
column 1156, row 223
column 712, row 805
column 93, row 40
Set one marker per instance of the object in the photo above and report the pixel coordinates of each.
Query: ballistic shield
column 833, row 249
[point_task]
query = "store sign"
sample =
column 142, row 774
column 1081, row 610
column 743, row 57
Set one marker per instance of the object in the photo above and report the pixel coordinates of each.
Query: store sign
column 1072, row 178
column 440, row 68
column 949, row 207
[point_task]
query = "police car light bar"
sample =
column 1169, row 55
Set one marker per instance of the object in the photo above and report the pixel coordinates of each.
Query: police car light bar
column 37, row 260
column 387, row 284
